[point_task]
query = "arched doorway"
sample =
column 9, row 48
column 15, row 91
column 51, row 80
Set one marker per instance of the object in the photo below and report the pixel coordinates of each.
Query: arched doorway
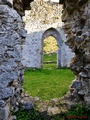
column 50, row 49
column 54, row 33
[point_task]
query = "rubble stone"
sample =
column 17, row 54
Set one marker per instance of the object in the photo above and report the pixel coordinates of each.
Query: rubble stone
column 76, row 15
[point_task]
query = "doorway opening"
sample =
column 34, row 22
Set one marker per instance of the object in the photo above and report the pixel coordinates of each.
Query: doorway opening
column 50, row 49
column 52, row 35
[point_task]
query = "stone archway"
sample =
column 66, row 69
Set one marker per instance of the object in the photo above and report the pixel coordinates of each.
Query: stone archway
column 53, row 32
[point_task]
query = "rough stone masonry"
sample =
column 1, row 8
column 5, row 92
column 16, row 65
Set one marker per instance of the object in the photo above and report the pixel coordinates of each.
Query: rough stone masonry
column 12, row 35
column 47, row 22
column 76, row 18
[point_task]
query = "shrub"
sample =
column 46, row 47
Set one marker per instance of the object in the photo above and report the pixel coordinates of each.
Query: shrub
column 77, row 112
column 27, row 115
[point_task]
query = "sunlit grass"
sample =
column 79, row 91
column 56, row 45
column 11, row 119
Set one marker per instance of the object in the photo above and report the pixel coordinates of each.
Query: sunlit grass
column 47, row 83
column 50, row 57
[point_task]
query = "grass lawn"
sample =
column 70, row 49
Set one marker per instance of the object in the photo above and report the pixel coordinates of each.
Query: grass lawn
column 47, row 83
column 50, row 57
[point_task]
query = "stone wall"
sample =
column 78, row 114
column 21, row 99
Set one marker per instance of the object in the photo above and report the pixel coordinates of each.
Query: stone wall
column 76, row 18
column 41, row 18
column 12, row 35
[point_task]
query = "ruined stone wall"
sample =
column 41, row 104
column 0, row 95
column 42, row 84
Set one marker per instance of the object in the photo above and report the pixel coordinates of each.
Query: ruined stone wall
column 41, row 17
column 76, row 16
column 12, row 35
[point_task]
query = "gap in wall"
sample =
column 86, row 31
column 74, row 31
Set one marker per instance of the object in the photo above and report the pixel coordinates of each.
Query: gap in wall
column 50, row 49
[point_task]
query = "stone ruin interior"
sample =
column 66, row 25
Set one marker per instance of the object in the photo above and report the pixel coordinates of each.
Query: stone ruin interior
column 47, row 22
column 32, row 49
column 76, row 18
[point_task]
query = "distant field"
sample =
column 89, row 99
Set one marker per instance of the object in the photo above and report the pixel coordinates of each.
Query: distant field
column 50, row 57
column 47, row 83
column 50, row 61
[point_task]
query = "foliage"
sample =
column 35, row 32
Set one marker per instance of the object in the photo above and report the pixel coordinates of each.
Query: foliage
column 78, row 112
column 58, row 117
column 27, row 115
column 75, row 111
column 50, row 45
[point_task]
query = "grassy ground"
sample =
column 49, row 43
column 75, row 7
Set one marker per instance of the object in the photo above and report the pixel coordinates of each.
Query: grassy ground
column 47, row 83
column 50, row 57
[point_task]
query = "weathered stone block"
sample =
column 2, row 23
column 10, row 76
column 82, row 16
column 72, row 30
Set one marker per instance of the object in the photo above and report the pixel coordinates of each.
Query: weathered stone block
column 23, row 33
column 77, row 85
column 2, row 103
column 53, row 110
column 6, row 92
column 83, row 74
column 4, row 113
column 87, row 99
column 27, row 106
column 81, row 92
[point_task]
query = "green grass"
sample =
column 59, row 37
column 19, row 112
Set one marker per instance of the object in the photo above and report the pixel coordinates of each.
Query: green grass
column 50, row 57
column 49, row 66
column 47, row 83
